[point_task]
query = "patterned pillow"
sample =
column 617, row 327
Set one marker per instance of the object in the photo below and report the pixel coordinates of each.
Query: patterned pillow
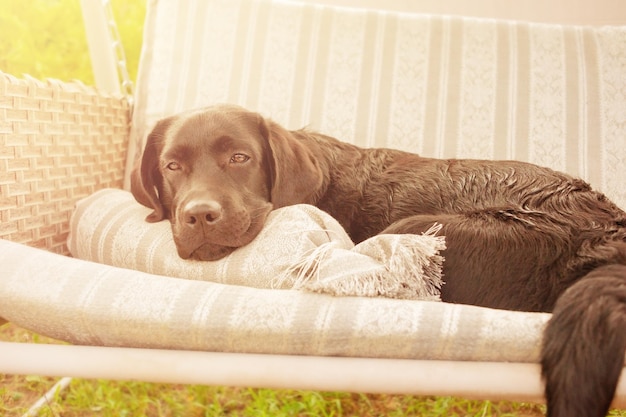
column 300, row 247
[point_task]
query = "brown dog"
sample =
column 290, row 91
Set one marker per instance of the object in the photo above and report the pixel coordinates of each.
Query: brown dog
column 518, row 235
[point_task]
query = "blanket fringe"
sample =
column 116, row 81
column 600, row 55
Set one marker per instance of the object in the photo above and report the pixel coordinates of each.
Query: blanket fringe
column 409, row 267
column 307, row 268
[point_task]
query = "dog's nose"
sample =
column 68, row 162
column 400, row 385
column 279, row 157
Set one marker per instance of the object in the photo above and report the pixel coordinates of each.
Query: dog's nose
column 197, row 213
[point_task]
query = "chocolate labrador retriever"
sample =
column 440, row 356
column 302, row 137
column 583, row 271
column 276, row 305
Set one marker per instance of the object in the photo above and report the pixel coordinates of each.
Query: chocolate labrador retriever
column 519, row 236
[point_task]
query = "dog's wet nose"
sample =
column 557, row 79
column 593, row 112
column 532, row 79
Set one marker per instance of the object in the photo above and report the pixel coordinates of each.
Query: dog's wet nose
column 197, row 213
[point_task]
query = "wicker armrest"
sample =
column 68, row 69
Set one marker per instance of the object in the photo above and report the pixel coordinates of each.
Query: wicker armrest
column 59, row 142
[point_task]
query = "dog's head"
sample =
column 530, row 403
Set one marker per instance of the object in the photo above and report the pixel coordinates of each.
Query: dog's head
column 216, row 173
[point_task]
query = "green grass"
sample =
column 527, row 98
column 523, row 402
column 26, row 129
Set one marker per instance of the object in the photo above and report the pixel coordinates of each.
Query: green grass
column 135, row 399
column 106, row 398
column 109, row 398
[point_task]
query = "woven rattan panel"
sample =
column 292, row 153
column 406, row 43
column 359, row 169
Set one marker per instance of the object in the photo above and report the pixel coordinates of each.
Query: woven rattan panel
column 59, row 142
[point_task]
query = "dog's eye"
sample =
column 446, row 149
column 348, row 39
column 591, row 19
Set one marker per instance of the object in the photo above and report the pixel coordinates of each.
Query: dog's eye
column 173, row 166
column 239, row 158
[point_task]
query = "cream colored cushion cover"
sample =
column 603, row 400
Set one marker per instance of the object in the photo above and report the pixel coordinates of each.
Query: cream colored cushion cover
column 89, row 303
column 299, row 247
column 441, row 86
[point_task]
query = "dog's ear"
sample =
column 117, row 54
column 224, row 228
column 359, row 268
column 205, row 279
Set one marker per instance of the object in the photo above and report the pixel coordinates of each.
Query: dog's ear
column 295, row 174
column 146, row 181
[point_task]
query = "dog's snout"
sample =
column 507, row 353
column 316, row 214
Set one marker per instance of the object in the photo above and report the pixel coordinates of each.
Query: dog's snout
column 198, row 213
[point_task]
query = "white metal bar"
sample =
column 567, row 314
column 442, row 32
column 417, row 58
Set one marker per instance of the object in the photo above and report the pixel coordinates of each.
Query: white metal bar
column 481, row 380
column 99, row 39
column 476, row 380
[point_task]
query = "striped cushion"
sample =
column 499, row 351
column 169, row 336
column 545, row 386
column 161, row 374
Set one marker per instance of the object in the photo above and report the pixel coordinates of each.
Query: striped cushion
column 109, row 227
column 435, row 85
column 90, row 303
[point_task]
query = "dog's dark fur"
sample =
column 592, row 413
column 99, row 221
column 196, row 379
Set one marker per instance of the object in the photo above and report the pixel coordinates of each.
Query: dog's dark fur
column 519, row 236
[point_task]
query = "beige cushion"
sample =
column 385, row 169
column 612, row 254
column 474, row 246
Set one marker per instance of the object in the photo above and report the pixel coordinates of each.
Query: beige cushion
column 436, row 85
column 109, row 227
column 89, row 303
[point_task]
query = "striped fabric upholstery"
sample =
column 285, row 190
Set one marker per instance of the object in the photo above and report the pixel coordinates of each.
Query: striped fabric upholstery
column 439, row 86
column 109, row 227
column 89, row 303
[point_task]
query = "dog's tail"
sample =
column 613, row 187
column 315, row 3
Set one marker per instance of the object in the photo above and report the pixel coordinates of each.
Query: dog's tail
column 584, row 344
